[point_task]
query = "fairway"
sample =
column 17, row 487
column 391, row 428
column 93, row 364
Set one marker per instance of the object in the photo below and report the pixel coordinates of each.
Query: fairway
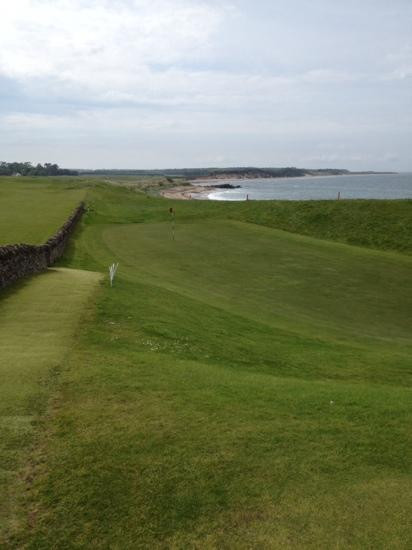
column 37, row 324
column 239, row 386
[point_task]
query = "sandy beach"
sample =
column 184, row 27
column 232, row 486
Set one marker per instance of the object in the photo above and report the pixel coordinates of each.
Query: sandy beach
column 187, row 192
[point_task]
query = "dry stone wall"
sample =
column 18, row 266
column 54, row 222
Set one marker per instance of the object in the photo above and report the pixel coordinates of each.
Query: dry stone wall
column 20, row 260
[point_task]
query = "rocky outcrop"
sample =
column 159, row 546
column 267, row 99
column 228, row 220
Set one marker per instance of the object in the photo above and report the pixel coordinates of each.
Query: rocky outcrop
column 226, row 186
column 20, row 260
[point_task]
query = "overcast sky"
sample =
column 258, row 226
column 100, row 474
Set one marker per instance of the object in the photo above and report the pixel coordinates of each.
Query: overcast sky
column 157, row 83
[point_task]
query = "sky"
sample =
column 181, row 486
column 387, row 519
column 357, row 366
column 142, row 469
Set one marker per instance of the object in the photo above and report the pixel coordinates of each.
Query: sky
column 192, row 83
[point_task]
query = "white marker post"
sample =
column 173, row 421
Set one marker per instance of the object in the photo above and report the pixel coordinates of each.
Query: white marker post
column 112, row 272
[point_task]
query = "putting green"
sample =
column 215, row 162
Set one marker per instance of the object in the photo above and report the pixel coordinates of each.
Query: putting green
column 302, row 284
column 38, row 319
column 343, row 310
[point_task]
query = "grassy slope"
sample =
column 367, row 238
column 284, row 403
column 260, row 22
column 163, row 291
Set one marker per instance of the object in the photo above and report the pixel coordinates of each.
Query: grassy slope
column 37, row 322
column 238, row 387
column 383, row 224
column 25, row 218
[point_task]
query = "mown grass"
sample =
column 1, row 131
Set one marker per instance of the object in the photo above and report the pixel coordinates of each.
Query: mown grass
column 37, row 322
column 240, row 386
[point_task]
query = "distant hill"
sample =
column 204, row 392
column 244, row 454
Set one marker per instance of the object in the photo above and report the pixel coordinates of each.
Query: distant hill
column 226, row 173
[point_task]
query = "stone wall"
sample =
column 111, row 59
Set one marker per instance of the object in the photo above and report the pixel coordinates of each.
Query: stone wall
column 20, row 260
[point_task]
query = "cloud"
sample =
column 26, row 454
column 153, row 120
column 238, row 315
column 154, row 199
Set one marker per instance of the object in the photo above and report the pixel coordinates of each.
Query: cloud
column 205, row 72
column 400, row 63
column 105, row 52
column 76, row 40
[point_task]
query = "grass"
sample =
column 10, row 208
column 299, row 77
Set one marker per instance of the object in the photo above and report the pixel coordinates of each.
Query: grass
column 379, row 224
column 26, row 219
column 242, row 386
column 37, row 322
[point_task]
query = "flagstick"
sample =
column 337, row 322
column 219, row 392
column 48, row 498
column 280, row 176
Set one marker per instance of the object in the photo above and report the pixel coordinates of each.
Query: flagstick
column 172, row 213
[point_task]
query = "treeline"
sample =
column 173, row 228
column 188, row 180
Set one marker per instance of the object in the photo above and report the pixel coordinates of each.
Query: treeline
column 28, row 169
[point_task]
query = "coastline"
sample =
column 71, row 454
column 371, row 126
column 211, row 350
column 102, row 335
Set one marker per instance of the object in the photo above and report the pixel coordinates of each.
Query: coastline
column 197, row 189
column 203, row 188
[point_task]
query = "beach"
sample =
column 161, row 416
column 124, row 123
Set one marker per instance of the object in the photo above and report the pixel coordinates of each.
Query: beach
column 187, row 192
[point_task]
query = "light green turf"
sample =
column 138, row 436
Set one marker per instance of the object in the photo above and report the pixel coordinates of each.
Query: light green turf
column 31, row 211
column 38, row 319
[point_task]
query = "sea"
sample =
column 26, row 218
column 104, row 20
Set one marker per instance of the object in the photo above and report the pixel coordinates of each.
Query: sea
column 370, row 186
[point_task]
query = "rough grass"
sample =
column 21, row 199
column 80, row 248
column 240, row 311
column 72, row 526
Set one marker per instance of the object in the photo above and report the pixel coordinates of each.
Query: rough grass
column 380, row 224
column 238, row 387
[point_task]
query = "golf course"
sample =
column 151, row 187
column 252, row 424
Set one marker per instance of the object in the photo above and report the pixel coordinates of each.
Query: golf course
column 245, row 382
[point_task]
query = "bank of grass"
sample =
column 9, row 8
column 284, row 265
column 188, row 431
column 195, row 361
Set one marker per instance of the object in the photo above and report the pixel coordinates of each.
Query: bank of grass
column 380, row 224
column 149, row 185
column 240, row 386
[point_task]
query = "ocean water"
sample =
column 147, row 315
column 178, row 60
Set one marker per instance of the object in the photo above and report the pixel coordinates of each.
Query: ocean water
column 371, row 186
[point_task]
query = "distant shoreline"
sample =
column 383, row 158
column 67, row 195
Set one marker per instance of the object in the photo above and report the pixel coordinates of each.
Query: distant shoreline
column 230, row 177
column 229, row 172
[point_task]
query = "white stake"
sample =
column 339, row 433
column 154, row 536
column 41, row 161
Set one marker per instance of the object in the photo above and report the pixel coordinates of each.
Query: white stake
column 112, row 272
